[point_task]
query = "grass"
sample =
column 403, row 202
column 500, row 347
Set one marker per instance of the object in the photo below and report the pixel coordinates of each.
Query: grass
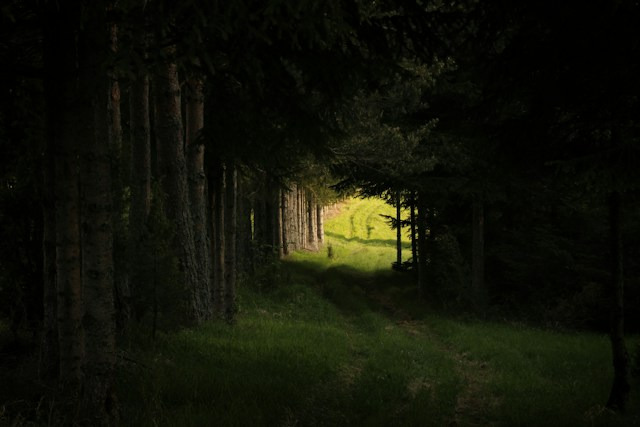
column 343, row 341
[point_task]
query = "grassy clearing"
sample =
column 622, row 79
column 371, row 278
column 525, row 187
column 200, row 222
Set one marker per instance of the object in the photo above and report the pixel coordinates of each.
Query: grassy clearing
column 342, row 341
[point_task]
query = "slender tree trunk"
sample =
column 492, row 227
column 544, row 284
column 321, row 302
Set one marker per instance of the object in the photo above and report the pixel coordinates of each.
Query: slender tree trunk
column 619, row 394
column 219, row 239
column 173, row 176
column 269, row 218
column 230, row 273
column 48, row 363
column 140, row 180
column 60, row 62
column 285, row 220
column 95, row 126
column 243, row 239
column 118, row 165
column 320, row 221
column 312, row 233
column 422, row 245
column 414, row 242
column 197, row 189
column 477, row 276
column 398, row 232
column 279, row 226
column 293, row 218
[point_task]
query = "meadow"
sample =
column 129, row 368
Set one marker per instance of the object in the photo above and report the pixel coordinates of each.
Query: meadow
column 337, row 338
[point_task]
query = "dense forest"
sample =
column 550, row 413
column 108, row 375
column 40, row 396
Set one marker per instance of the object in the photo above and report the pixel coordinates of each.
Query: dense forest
column 157, row 156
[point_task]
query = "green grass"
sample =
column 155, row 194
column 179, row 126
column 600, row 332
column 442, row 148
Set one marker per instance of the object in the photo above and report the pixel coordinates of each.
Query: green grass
column 343, row 341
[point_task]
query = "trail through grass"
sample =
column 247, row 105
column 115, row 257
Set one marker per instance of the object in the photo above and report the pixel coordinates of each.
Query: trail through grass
column 344, row 341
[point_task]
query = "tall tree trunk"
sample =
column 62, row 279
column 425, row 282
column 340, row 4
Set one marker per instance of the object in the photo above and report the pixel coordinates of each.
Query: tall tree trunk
column 398, row 232
column 244, row 258
column 48, row 363
column 414, row 242
column 312, row 232
column 219, row 238
column 269, row 218
column 60, row 62
column 279, row 227
column 197, row 188
column 230, row 273
column 320, row 222
column 140, row 180
column 293, row 218
column 477, row 276
column 422, row 245
column 118, row 166
column 173, row 176
column 95, row 131
column 619, row 394
column 284, row 209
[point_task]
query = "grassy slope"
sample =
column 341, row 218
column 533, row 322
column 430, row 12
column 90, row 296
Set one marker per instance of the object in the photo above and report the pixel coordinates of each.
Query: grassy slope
column 341, row 341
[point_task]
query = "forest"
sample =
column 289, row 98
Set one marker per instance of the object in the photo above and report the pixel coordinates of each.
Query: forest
column 338, row 212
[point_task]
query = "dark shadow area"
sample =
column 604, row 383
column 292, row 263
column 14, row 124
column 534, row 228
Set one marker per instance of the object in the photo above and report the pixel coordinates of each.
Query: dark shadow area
column 373, row 242
column 355, row 292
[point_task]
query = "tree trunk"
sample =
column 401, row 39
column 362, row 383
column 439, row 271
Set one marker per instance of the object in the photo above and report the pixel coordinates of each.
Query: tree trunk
column 197, row 189
column 172, row 170
column 244, row 259
column 140, row 179
column 422, row 245
column 320, row 222
column 219, row 238
column 398, row 232
column 312, row 232
column 279, row 227
column 284, row 209
column 121, row 270
column 63, row 107
column 619, row 394
column 95, row 131
column 48, row 363
column 230, row 308
column 414, row 242
column 477, row 276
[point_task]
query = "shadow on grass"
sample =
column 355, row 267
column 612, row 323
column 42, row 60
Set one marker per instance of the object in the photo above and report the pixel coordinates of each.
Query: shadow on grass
column 354, row 292
column 372, row 242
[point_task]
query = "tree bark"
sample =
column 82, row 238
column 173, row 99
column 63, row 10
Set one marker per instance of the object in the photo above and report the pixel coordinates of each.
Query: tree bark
column 279, row 227
column 477, row 275
column 398, row 232
column 197, row 189
column 95, row 130
column 620, row 388
column 230, row 275
column 312, row 232
column 320, row 222
column 244, row 259
column 140, row 179
column 118, row 168
column 414, row 242
column 63, row 107
column 422, row 245
column 284, row 208
column 48, row 363
column 219, row 238
column 172, row 170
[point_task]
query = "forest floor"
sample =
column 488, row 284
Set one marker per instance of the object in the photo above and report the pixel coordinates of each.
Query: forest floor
column 343, row 340
column 336, row 338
